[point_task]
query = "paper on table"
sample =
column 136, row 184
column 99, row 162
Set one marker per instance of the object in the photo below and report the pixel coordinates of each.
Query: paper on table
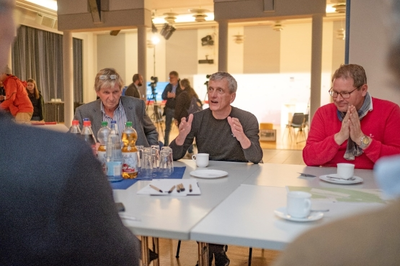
column 343, row 194
column 166, row 184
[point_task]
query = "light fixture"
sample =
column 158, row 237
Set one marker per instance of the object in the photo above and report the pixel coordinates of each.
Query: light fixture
column 167, row 31
column 155, row 40
column 208, row 40
column 239, row 38
column 50, row 4
column 170, row 17
column 340, row 34
column 199, row 14
column 277, row 26
column 150, row 44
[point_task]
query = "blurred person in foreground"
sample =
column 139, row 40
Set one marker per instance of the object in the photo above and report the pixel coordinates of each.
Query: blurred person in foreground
column 17, row 101
column 170, row 93
column 356, row 128
column 112, row 106
column 133, row 88
column 56, row 204
column 371, row 238
column 36, row 98
column 225, row 132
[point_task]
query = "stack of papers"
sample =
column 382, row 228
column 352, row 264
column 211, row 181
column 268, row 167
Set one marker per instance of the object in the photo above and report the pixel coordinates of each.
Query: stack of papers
column 169, row 187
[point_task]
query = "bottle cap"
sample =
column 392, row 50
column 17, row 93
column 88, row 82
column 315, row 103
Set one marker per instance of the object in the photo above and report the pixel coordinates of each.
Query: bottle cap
column 128, row 124
column 87, row 123
column 104, row 123
column 75, row 122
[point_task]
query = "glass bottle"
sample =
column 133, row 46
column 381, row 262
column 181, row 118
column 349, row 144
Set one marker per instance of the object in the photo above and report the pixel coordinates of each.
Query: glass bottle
column 129, row 152
column 114, row 155
column 102, row 136
column 87, row 135
column 74, row 129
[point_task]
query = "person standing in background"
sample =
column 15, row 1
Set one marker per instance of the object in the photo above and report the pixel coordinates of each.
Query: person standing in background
column 36, row 99
column 133, row 89
column 2, row 92
column 182, row 106
column 171, row 91
column 17, row 101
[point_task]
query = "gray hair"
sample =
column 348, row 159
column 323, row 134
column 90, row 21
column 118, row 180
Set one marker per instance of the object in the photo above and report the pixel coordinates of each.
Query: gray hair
column 232, row 84
column 107, row 77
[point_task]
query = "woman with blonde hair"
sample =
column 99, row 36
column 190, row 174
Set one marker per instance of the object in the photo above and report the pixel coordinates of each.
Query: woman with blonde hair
column 36, row 99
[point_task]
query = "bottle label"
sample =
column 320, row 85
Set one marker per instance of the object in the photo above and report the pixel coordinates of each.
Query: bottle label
column 114, row 170
column 130, row 162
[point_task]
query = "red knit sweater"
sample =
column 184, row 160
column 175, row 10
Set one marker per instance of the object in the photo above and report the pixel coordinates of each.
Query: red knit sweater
column 382, row 124
column 17, row 100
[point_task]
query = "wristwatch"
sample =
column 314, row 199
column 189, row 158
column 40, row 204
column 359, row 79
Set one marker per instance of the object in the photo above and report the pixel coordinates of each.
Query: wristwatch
column 364, row 142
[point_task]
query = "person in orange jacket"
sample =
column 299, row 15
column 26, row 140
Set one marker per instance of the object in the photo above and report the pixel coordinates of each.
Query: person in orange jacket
column 16, row 100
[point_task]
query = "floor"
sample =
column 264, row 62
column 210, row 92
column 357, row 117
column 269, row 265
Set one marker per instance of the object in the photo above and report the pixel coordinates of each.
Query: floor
column 287, row 149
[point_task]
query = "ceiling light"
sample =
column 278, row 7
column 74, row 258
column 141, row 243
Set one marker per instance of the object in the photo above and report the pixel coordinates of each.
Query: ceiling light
column 199, row 15
column 170, row 17
column 50, row 4
column 277, row 26
column 239, row 38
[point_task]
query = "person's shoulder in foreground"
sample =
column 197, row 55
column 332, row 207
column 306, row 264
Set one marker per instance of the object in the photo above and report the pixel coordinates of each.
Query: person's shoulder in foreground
column 367, row 239
column 57, row 204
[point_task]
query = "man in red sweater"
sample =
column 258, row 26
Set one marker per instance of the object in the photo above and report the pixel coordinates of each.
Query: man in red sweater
column 16, row 100
column 355, row 128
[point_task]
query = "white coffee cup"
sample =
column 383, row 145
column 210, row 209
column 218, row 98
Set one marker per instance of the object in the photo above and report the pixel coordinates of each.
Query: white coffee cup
column 201, row 159
column 345, row 170
column 298, row 204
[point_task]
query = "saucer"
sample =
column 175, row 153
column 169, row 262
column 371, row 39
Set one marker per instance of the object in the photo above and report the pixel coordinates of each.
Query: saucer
column 314, row 216
column 326, row 178
column 208, row 173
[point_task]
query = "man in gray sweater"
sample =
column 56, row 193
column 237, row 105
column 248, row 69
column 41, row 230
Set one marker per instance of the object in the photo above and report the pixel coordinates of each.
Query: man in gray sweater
column 225, row 132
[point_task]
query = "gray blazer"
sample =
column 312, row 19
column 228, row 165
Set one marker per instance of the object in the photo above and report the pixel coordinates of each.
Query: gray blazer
column 135, row 111
column 57, row 206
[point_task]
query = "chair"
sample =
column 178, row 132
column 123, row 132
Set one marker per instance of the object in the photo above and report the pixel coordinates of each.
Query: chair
column 303, row 130
column 297, row 122
column 248, row 262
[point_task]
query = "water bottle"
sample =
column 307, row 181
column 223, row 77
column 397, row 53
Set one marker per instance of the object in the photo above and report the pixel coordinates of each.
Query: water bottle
column 102, row 136
column 129, row 152
column 74, row 129
column 87, row 135
column 114, row 155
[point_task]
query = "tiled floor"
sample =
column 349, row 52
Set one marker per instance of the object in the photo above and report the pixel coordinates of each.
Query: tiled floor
column 286, row 150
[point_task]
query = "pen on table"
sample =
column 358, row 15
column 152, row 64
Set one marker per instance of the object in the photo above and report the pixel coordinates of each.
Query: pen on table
column 171, row 189
column 182, row 187
column 178, row 188
column 190, row 188
column 156, row 188
column 307, row 175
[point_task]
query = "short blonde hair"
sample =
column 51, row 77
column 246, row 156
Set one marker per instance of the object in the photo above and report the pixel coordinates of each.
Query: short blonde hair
column 107, row 77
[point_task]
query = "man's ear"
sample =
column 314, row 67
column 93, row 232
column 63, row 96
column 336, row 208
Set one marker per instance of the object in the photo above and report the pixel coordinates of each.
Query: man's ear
column 233, row 97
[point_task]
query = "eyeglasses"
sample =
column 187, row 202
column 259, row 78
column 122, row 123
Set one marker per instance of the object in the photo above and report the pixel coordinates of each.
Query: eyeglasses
column 344, row 94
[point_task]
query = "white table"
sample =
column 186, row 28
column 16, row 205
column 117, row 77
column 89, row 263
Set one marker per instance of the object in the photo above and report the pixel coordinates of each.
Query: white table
column 288, row 175
column 174, row 217
column 51, row 126
column 246, row 218
column 237, row 209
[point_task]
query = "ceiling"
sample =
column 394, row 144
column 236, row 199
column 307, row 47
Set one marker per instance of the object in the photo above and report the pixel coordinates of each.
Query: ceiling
column 181, row 9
